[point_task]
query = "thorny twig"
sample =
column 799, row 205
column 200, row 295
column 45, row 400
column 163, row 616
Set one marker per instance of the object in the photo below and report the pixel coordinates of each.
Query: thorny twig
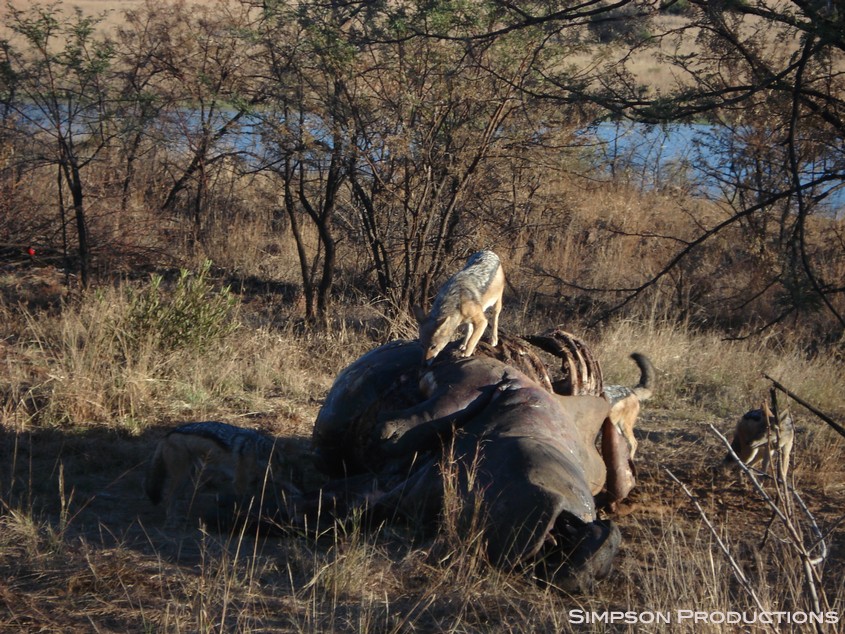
column 740, row 575
column 796, row 539
column 781, row 486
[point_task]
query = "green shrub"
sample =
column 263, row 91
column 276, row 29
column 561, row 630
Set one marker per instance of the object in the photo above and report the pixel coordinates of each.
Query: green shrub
column 193, row 315
column 680, row 7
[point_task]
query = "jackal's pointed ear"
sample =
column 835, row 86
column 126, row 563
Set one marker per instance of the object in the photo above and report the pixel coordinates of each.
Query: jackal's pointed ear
column 419, row 313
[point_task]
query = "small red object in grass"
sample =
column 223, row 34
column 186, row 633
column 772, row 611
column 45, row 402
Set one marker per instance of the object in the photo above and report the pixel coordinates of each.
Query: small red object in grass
column 31, row 251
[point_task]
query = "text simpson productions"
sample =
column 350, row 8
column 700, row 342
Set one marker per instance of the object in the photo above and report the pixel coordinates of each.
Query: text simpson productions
column 731, row 617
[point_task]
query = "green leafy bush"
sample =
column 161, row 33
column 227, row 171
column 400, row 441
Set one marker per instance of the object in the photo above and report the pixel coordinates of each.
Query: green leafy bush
column 679, row 7
column 193, row 315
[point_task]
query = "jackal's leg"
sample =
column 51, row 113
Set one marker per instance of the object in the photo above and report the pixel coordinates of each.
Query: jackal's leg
column 624, row 415
column 497, row 308
column 477, row 326
column 467, row 337
column 766, row 458
column 754, row 455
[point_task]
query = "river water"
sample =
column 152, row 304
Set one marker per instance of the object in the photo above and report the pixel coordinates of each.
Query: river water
column 660, row 156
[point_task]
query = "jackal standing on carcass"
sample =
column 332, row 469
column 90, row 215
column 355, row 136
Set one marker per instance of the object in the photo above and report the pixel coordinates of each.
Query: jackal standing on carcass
column 463, row 300
column 227, row 459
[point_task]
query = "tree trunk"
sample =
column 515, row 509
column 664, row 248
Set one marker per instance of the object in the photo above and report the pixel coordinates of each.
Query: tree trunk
column 74, row 182
column 305, row 269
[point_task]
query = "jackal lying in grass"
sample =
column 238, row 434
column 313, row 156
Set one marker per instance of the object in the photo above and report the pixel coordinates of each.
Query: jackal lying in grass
column 463, row 300
column 227, row 459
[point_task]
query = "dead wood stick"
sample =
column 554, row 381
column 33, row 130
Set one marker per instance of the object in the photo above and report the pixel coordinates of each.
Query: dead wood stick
column 801, row 401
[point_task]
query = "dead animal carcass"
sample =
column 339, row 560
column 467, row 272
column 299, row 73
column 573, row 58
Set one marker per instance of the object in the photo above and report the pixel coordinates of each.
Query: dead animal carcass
column 522, row 454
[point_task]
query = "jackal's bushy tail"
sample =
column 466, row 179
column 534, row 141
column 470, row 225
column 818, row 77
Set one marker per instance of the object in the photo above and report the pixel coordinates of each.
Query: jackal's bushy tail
column 645, row 388
column 156, row 474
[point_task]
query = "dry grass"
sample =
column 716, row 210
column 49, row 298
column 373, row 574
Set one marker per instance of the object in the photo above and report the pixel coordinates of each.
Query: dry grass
column 82, row 549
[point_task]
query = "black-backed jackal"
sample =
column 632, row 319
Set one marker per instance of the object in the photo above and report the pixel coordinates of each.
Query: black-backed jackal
column 625, row 401
column 758, row 436
column 463, row 300
column 227, row 459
